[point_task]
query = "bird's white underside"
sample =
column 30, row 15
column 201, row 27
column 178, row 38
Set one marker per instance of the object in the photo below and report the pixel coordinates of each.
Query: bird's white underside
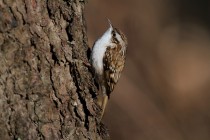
column 99, row 50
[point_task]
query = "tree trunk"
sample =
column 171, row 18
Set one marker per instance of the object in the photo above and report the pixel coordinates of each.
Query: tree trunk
column 46, row 89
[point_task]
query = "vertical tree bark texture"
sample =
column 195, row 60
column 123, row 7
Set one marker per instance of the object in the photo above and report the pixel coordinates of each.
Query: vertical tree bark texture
column 46, row 91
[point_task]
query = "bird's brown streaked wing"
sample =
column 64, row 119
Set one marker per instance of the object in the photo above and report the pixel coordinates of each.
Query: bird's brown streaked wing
column 114, row 60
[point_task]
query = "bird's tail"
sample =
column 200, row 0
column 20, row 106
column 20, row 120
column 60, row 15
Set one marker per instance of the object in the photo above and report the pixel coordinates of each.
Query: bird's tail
column 102, row 100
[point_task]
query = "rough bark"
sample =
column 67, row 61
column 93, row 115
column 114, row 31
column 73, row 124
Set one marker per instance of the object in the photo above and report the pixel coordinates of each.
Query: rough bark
column 46, row 90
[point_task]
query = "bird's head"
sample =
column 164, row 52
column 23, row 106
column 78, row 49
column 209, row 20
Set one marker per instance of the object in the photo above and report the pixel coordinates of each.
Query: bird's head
column 116, row 36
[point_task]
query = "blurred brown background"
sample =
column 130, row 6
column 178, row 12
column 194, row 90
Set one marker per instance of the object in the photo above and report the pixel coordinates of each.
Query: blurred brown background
column 164, row 92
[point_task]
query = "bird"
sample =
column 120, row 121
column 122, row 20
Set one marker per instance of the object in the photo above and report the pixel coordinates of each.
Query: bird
column 108, row 60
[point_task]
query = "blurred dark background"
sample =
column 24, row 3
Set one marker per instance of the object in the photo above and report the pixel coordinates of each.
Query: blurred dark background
column 164, row 92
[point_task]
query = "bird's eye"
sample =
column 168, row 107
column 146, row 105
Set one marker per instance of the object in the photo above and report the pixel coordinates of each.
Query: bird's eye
column 113, row 33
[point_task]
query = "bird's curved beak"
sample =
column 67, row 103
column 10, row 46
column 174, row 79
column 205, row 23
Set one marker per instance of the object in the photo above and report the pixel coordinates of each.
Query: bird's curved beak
column 110, row 24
